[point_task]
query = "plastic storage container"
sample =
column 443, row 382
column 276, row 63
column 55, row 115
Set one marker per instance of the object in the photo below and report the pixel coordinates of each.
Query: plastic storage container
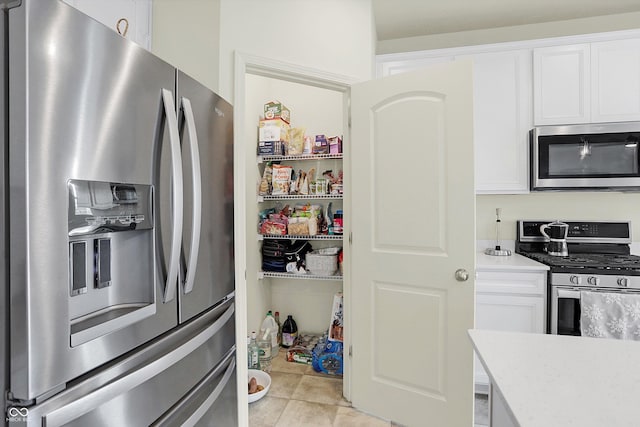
column 270, row 323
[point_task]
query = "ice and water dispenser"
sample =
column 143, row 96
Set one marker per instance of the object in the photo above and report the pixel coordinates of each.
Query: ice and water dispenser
column 111, row 257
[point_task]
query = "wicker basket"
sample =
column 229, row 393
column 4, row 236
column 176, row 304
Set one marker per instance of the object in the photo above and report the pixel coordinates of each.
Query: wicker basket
column 321, row 264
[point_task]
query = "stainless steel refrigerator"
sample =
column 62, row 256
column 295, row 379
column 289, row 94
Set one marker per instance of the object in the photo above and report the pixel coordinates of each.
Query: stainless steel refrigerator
column 117, row 226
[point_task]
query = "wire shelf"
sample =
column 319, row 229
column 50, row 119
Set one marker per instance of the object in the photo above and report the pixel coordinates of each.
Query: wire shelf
column 263, row 274
column 300, row 237
column 262, row 159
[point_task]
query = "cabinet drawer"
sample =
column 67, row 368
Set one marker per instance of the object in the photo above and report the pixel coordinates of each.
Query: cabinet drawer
column 511, row 283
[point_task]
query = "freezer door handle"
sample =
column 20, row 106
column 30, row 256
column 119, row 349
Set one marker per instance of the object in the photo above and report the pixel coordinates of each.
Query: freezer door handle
column 176, row 195
column 170, row 418
column 123, row 384
column 197, row 195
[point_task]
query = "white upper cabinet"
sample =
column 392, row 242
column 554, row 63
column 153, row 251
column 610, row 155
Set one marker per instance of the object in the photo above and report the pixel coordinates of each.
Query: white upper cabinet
column 502, row 113
column 587, row 83
column 130, row 18
column 562, row 79
column 615, row 77
column 502, row 120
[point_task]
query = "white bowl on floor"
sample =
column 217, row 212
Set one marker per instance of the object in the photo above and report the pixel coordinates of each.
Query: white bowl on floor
column 263, row 379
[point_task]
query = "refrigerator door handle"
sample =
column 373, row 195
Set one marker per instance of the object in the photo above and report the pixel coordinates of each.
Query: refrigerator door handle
column 121, row 385
column 176, row 195
column 170, row 417
column 197, row 195
column 202, row 409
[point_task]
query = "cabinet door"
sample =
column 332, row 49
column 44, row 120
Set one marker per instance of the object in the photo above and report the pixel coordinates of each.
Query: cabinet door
column 507, row 313
column 561, row 83
column 136, row 12
column 501, row 120
column 615, row 81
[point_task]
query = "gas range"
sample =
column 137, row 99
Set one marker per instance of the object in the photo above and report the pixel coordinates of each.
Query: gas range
column 599, row 254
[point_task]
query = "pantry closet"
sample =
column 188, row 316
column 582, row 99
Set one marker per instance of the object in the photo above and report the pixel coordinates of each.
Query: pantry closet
column 318, row 103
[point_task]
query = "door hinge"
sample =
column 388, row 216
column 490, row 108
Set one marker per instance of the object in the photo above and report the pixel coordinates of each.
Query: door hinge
column 351, row 237
column 350, row 350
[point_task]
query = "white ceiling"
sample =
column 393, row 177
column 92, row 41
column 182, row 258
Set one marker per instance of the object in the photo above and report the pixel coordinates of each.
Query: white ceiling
column 410, row 18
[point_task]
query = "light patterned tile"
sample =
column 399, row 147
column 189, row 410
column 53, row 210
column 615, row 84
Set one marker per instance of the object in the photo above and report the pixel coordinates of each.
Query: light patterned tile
column 298, row 413
column 320, row 390
column 349, row 417
column 284, row 384
column 267, row 411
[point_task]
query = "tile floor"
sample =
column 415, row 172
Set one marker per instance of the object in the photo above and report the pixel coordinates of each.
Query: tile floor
column 299, row 396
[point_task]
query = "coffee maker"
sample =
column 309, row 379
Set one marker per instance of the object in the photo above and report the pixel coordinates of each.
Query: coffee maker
column 557, row 236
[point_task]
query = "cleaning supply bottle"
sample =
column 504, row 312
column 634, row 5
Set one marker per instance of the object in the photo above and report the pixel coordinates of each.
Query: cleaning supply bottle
column 270, row 323
column 279, row 327
column 289, row 332
column 253, row 353
column 264, row 345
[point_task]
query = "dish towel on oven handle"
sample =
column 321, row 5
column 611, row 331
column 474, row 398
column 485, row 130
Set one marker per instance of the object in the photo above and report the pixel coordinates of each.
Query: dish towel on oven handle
column 610, row 315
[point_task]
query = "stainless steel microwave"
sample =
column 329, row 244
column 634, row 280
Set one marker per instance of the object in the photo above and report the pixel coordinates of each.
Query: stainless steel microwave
column 586, row 157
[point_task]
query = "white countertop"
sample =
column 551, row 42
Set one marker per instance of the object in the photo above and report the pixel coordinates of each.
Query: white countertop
column 512, row 262
column 564, row 381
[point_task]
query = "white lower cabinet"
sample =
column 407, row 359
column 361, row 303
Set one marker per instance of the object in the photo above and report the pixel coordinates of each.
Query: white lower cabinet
column 511, row 301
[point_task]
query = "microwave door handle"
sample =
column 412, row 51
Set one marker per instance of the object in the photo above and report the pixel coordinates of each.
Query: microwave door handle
column 197, row 195
column 176, row 195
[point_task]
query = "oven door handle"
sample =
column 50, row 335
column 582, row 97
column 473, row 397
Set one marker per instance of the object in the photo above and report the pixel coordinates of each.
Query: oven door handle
column 566, row 293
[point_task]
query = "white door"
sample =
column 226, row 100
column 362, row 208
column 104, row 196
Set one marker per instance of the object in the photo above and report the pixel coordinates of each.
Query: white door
column 413, row 227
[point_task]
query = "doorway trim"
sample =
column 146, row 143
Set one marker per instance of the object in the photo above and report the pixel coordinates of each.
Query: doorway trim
column 266, row 67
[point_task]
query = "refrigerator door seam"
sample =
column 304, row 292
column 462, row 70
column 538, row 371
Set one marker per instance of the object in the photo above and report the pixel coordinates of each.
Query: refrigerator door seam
column 197, row 195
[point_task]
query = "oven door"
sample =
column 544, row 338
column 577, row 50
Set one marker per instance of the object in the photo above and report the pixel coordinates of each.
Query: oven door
column 565, row 308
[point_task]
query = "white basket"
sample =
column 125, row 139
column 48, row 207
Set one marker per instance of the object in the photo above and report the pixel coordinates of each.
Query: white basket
column 321, row 264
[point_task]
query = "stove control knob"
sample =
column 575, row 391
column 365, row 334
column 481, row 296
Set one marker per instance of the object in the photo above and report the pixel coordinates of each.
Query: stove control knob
column 575, row 280
column 593, row 281
column 623, row 282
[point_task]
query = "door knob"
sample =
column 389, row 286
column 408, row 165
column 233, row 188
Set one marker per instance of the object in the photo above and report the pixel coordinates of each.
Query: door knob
column 461, row 275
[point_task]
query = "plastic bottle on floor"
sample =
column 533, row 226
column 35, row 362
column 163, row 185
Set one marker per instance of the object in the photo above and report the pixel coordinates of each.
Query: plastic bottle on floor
column 264, row 345
column 277, row 316
column 270, row 323
column 253, row 353
column 289, row 332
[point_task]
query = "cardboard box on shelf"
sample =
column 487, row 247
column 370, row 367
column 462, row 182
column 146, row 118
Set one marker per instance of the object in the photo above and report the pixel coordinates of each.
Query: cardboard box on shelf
column 320, row 146
column 273, row 130
column 276, row 110
column 335, row 145
column 336, row 327
column 270, row 148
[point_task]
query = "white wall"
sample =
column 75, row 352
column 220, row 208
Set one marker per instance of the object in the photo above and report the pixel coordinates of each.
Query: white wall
column 555, row 205
column 596, row 24
column 336, row 36
column 186, row 34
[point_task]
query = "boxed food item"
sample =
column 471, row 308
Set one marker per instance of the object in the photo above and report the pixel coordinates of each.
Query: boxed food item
column 335, row 145
column 320, row 146
column 281, row 179
column 336, row 326
column 276, row 110
column 273, row 130
column 270, row 148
